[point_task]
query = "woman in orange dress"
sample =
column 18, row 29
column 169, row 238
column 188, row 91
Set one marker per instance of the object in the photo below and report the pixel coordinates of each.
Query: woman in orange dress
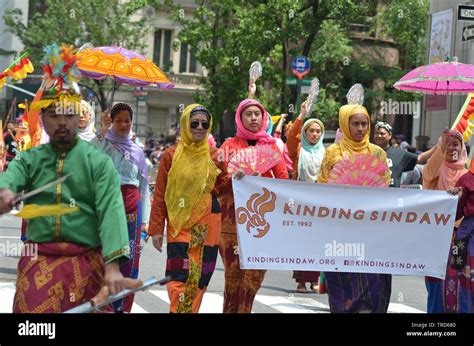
column 190, row 178
column 241, row 286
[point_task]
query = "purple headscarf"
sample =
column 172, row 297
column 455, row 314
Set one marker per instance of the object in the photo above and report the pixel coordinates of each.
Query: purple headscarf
column 125, row 145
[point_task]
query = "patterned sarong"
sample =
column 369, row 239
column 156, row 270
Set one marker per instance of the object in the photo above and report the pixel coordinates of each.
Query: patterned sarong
column 455, row 294
column 54, row 277
column 192, row 256
column 129, row 269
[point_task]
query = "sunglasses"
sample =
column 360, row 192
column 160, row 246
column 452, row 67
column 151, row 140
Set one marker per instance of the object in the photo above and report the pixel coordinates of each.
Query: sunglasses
column 195, row 125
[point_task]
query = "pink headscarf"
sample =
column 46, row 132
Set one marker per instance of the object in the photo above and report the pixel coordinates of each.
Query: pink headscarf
column 261, row 136
column 450, row 172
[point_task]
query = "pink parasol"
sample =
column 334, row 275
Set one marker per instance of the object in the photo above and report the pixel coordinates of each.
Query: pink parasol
column 439, row 78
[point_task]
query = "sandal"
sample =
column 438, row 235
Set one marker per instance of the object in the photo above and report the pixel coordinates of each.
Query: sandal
column 301, row 288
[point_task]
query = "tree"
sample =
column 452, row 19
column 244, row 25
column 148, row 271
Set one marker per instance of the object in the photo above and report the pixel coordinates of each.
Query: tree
column 404, row 23
column 226, row 36
column 101, row 23
column 407, row 22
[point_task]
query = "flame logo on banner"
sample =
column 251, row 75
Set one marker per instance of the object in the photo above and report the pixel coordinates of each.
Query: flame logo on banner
column 254, row 215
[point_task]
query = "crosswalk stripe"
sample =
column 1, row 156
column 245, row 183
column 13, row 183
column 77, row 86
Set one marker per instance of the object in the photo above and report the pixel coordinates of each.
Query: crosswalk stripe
column 7, row 292
column 282, row 304
column 213, row 302
column 163, row 295
column 310, row 303
column 137, row 309
column 402, row 308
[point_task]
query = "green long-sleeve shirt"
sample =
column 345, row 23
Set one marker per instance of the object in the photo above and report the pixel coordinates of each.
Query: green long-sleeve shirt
column 94, row 187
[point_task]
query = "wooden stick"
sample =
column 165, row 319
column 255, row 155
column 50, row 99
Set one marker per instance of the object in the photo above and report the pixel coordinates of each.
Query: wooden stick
column 9, row 114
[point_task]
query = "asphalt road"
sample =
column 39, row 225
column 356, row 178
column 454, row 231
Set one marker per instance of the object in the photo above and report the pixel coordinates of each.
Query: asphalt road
column 277, row 294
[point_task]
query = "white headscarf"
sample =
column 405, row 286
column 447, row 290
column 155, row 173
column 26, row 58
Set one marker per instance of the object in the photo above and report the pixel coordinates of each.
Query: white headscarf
column 88, row 132
column 311, row 156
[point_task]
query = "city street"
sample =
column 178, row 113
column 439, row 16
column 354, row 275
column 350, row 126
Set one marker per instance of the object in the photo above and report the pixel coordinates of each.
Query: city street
column 277, row 294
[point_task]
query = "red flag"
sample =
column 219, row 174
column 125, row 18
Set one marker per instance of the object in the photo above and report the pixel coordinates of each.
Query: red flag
column 34, row 120
column 464, row 121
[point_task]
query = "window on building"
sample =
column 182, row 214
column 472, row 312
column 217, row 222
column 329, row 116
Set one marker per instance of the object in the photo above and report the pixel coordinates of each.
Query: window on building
column 187, row 60
column 159, row 120
column 162, row 49
column 364, row 24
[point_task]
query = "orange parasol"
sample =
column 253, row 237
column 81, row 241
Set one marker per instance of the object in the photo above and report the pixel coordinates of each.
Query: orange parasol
column 123, row 65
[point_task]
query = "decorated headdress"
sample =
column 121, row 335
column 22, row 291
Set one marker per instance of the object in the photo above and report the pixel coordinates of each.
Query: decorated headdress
column 60, row 77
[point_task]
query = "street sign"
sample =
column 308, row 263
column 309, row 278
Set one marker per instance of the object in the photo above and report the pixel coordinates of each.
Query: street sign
column 305, row 89
column 294, row 81
column 90, row 95
column 466, row 12
column 300, row 66
column 468, row 33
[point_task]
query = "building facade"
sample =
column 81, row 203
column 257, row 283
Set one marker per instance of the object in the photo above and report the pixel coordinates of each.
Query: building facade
column 446, row 39
column 9, row 42
column 157, row 111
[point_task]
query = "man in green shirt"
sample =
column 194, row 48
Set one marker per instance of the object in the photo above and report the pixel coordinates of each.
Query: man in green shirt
column 79, row 252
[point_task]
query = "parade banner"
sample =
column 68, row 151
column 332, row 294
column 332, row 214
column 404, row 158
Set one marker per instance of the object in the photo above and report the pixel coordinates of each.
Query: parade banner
column 293, row 225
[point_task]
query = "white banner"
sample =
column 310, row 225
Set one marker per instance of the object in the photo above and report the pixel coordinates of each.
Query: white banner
column 293, row 225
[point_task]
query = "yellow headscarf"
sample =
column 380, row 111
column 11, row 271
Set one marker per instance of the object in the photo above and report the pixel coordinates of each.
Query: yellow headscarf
column 191, row 178
column 347, row 143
